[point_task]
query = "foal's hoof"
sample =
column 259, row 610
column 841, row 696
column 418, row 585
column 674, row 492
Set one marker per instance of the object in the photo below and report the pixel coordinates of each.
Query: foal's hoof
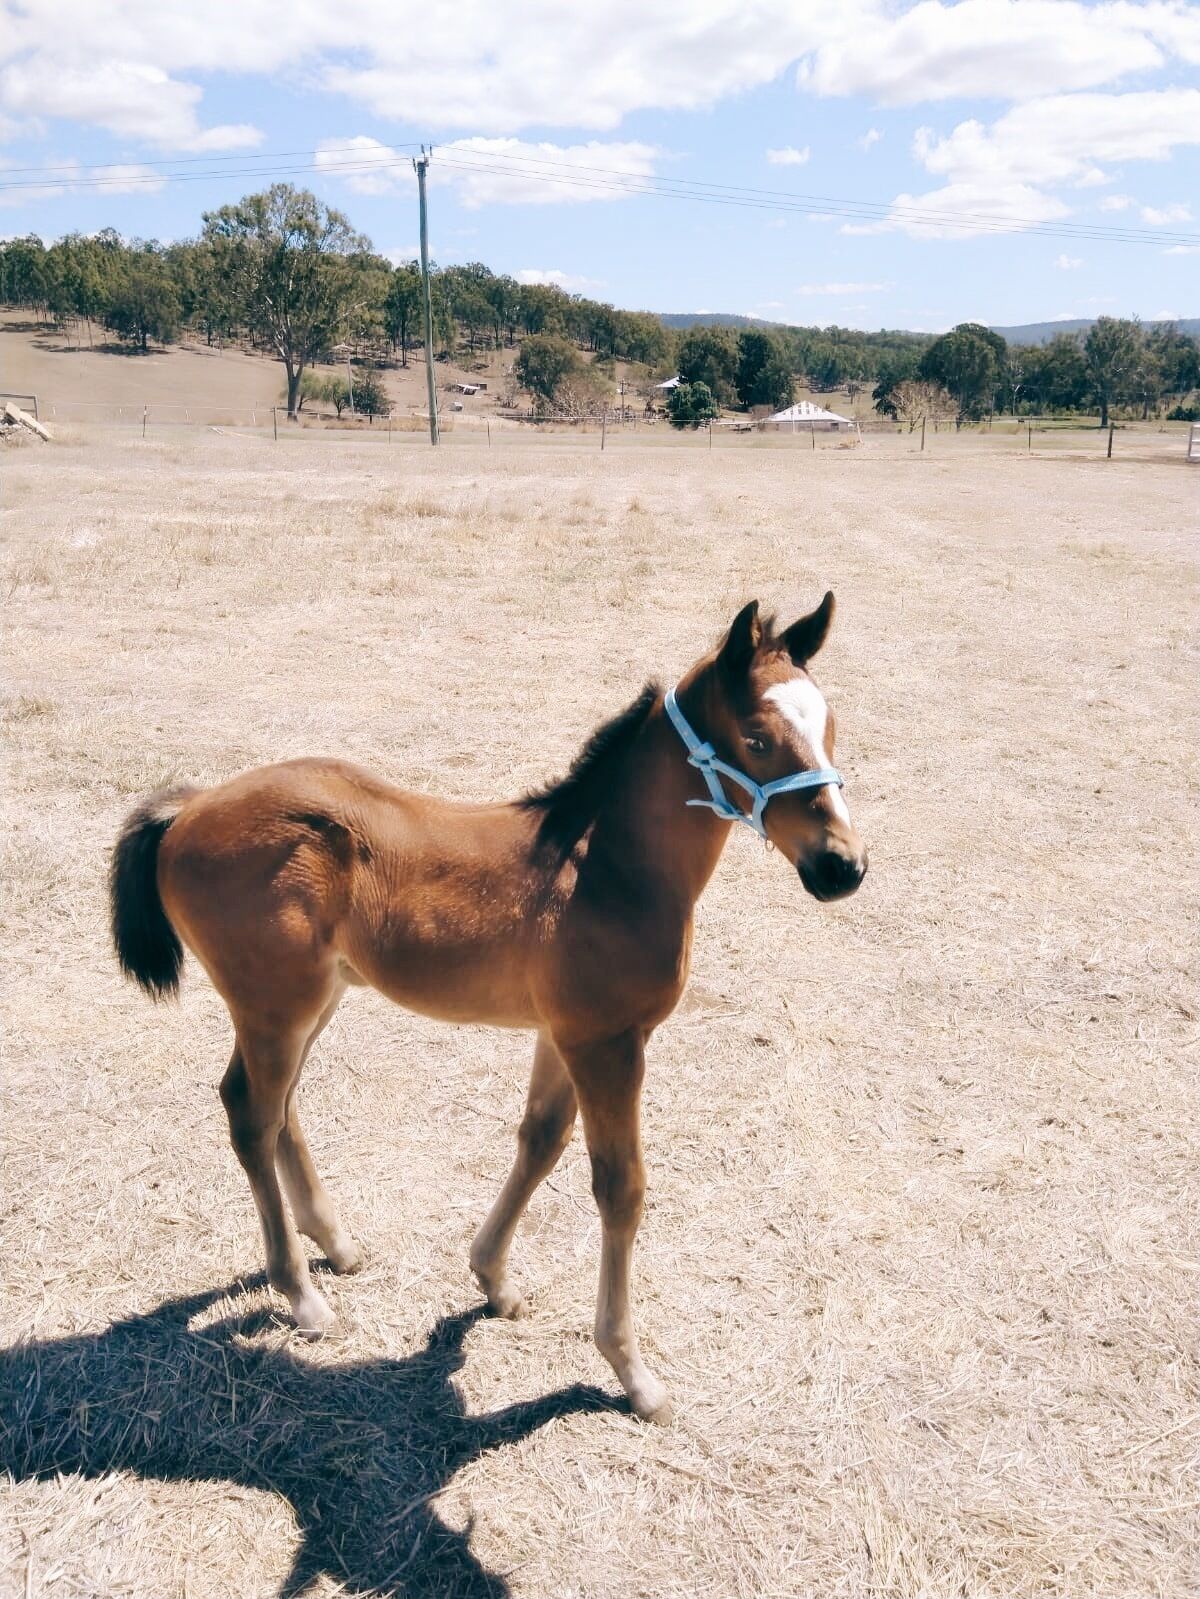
column 651, row 1402
column 507, row 1302
column 347, row 1258
column 313, row 1318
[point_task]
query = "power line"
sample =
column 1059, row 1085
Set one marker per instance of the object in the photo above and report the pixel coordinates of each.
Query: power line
column 187, row 160
column 659, row 183
column 580, row 175
column 817, row 205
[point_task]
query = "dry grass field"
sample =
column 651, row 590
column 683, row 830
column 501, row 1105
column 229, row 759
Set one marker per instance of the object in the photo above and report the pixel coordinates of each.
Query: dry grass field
column 922, row 1246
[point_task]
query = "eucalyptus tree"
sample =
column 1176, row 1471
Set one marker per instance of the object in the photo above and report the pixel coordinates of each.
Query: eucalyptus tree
column 293, row 260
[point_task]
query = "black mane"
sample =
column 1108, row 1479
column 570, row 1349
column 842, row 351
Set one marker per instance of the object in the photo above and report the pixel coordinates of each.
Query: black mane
column 569, row 806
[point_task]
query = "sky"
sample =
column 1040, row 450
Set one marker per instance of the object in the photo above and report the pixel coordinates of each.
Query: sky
column 874, row 163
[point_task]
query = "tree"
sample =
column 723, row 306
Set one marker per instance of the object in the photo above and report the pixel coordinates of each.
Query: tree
column 291, row 257
column 762, row 376
column 313, row 387
column 145, row 303
column 692, row 404
column 370, row 396
column 913, row 401
column 1014, row 377
column 709, row 356
column 1178, row 358
column 1058, row 374
column 1110, row 352
column 967, row 363
column 893, row 369
column 825, row 367
column 402, row 306
column 543, row 363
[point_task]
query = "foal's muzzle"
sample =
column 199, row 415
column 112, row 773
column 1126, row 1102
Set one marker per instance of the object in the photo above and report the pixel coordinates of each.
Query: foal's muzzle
column 832, row 875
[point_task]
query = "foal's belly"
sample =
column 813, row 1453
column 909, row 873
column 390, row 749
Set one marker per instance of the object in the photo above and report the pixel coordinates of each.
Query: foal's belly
column 461, row 983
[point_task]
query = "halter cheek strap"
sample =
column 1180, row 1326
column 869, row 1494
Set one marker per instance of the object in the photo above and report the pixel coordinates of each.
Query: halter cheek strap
column 706, row 761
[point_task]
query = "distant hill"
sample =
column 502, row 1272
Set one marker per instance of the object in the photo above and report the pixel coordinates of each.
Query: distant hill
column 1043, row 332
column 1024, row 333
column 713, row 319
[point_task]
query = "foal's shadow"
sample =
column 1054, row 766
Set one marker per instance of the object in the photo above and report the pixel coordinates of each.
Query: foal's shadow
column 358, row 1450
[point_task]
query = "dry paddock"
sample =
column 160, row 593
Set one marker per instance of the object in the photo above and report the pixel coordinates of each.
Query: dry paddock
column 921, row 1253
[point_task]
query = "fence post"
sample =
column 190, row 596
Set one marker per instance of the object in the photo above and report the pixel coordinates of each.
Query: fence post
column 489, row 431
column 145, row 414
column 275, row 421
column 1111, row 425
column 1029, row 446
column 603, row 426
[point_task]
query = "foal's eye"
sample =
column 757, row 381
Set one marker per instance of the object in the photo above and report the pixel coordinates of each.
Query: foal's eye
column 756, row 744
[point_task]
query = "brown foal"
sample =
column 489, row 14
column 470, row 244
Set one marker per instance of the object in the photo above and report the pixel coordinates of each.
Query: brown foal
column 568, row 912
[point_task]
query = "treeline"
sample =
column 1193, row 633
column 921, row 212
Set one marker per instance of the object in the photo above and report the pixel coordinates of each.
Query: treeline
column 284, row 273
column 972, row 372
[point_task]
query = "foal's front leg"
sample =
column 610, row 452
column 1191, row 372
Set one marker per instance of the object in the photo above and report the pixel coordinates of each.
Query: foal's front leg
column 608, row 1080
column 544, row 1133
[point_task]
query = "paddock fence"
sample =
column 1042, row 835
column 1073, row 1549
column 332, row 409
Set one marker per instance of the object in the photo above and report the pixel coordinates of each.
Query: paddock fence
column 1029, row 436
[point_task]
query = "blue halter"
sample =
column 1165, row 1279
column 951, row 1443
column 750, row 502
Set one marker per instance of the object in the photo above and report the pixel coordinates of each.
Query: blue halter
column 705, row 759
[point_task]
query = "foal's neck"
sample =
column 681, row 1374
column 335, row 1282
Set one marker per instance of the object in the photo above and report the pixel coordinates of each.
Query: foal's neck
column 646, row 827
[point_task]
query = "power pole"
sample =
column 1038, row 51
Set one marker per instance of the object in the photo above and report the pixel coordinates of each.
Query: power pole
column 422, row 166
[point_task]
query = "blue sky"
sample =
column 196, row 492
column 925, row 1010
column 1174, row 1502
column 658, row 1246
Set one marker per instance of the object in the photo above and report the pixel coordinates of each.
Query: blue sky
column 898, row 165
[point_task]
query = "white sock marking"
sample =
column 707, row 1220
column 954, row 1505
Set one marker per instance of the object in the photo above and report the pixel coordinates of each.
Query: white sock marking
column 802, row 702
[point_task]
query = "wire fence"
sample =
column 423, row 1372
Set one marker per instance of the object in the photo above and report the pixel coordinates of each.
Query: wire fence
column 1028, row 435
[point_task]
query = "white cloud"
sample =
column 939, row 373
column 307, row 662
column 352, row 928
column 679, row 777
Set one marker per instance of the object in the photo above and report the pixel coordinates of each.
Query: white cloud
column 1055, row 140
column 1005, row 208
column 1012, row 49
column 475, row 66
column 514, row 172
column 1159, row 216
column 127, row 178
column 1002, row 171
column 1116, row 202
column 71, row 175
column 133, row 100
column 870, row 137
column 365, row 165
column 569, row 282
column 1182, row 249
column 842, row 288
column 788, row 156
column 1165, row 316
column 497, row 171
column 1068, row 263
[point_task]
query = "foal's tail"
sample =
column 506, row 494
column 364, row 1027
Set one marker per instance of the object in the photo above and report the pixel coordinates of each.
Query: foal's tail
column 147, row 946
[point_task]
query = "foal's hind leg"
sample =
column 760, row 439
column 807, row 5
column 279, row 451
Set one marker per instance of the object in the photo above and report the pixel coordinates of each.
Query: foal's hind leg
column 254, row 1091
column 311, row 1205
column 544, row 1133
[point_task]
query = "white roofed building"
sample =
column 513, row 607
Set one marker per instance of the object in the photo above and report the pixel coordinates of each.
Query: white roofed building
column 805, row 416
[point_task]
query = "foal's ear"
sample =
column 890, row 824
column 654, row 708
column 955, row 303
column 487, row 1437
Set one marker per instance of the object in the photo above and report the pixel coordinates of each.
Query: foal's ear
column 744, row 637
column 805, row 637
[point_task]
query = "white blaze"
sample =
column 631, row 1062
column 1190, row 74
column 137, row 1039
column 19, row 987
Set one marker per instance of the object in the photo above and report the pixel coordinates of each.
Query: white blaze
column 802, row 702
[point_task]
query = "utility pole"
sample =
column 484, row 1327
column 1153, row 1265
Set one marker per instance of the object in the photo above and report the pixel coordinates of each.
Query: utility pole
column 422, row 166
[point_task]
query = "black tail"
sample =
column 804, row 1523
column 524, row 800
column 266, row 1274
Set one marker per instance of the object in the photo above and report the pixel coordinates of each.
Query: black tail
column 147, row 946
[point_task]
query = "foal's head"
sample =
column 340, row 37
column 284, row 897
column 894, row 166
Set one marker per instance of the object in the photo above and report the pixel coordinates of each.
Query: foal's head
column 767, row 717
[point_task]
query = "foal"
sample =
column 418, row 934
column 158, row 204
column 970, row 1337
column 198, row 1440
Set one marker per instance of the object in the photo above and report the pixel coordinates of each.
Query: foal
column 568, row 912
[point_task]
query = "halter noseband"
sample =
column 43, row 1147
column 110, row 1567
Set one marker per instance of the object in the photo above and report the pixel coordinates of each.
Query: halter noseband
column 705, row 759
